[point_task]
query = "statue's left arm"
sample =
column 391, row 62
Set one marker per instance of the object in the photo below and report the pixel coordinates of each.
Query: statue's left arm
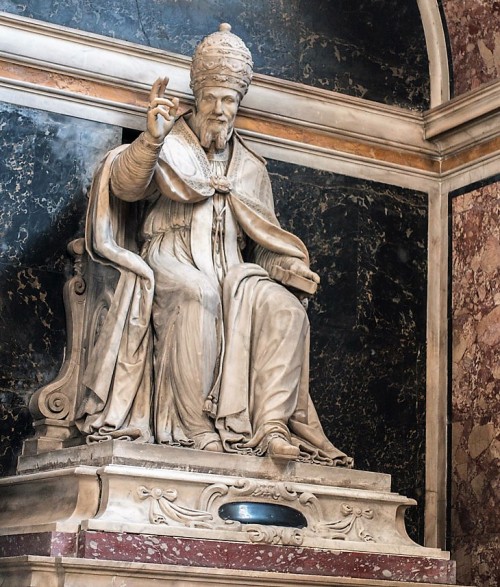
column 271, row 247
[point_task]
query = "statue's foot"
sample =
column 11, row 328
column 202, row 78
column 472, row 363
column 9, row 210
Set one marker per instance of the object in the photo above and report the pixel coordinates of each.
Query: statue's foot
column 214, row 446
column 279, row 448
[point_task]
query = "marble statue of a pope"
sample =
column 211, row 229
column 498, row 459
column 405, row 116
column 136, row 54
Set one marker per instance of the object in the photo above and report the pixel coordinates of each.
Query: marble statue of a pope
column 202, row 346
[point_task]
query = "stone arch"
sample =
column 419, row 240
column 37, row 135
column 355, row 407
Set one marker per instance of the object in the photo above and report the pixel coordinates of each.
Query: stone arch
column 436, row 50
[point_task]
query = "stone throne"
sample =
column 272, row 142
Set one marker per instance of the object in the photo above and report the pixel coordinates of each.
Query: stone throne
column 87, row 297
column 117, row 503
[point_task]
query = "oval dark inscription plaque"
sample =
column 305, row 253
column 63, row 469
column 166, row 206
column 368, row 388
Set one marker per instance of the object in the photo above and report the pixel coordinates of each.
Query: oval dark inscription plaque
column 267, row 514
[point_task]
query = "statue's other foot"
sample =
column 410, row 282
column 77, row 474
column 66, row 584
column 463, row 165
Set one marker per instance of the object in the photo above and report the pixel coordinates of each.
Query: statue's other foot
column 214, row 446
column 279, row 448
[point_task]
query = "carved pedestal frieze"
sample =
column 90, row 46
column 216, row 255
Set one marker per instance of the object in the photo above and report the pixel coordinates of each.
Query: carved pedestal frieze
column 165, row 508
column 118, row 503
column 238, row 498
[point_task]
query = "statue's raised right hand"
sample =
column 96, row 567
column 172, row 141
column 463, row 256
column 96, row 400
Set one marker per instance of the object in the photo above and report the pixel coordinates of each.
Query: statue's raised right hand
column 161, row 111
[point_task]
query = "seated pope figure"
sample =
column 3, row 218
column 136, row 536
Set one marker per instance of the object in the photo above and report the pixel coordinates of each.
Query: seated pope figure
column 202, row 346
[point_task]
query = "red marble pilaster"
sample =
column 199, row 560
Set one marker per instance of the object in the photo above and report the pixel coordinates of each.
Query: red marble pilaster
column 475, row 523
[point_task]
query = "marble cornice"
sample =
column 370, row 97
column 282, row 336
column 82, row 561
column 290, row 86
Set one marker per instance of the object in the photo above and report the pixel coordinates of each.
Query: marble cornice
column 86, row 75
column 90, row 76
column 449, row 118
column 465, row 131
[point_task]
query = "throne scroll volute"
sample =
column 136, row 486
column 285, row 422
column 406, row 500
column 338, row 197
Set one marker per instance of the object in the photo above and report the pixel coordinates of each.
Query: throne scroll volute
column 86, row 299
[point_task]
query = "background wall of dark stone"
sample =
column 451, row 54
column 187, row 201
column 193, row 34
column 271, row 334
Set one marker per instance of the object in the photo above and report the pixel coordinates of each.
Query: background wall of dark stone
column 374, row 49
column 368, row 242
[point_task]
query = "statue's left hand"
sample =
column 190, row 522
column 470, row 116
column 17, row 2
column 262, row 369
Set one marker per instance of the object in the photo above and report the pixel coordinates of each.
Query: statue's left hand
column 300, row 268
column 161, row 111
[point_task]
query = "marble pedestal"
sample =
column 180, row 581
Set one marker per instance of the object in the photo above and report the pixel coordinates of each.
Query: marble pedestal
column 119, row 509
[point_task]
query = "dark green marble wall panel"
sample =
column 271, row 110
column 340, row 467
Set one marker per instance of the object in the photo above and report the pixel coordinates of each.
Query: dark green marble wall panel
column 373, row 49
column 45, row 168
column 368, row 242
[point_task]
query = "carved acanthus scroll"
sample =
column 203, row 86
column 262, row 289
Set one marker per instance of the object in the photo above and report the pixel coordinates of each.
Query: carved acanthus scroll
column 349, row 527
column 274, row 535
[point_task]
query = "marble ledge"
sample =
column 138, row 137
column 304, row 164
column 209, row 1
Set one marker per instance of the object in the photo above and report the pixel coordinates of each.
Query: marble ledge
column 179, row 501
column 150, row 456
column 73, row 572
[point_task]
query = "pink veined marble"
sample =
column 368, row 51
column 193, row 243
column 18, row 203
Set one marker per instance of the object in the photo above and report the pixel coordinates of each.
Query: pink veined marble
column 475, row 523
column 474, row 33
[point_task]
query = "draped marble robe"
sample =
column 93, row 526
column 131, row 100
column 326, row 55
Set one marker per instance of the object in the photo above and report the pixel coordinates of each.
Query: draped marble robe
column 184, row 356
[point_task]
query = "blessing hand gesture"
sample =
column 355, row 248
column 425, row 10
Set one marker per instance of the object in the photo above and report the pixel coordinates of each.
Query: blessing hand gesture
column 161, row 111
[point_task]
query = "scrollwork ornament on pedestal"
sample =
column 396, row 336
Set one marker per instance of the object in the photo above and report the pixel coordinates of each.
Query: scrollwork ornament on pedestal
column 339, row 529
column 218, row 493
column 164, row 510
column 275, row 535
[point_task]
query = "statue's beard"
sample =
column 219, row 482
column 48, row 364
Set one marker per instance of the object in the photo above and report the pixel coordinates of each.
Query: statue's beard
column 212, row 132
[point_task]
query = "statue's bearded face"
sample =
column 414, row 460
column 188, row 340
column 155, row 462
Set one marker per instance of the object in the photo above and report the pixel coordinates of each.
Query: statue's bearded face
column 216, row 110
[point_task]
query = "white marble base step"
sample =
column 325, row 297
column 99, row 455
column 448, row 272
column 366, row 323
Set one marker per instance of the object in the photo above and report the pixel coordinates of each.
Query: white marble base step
column 35, row 571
